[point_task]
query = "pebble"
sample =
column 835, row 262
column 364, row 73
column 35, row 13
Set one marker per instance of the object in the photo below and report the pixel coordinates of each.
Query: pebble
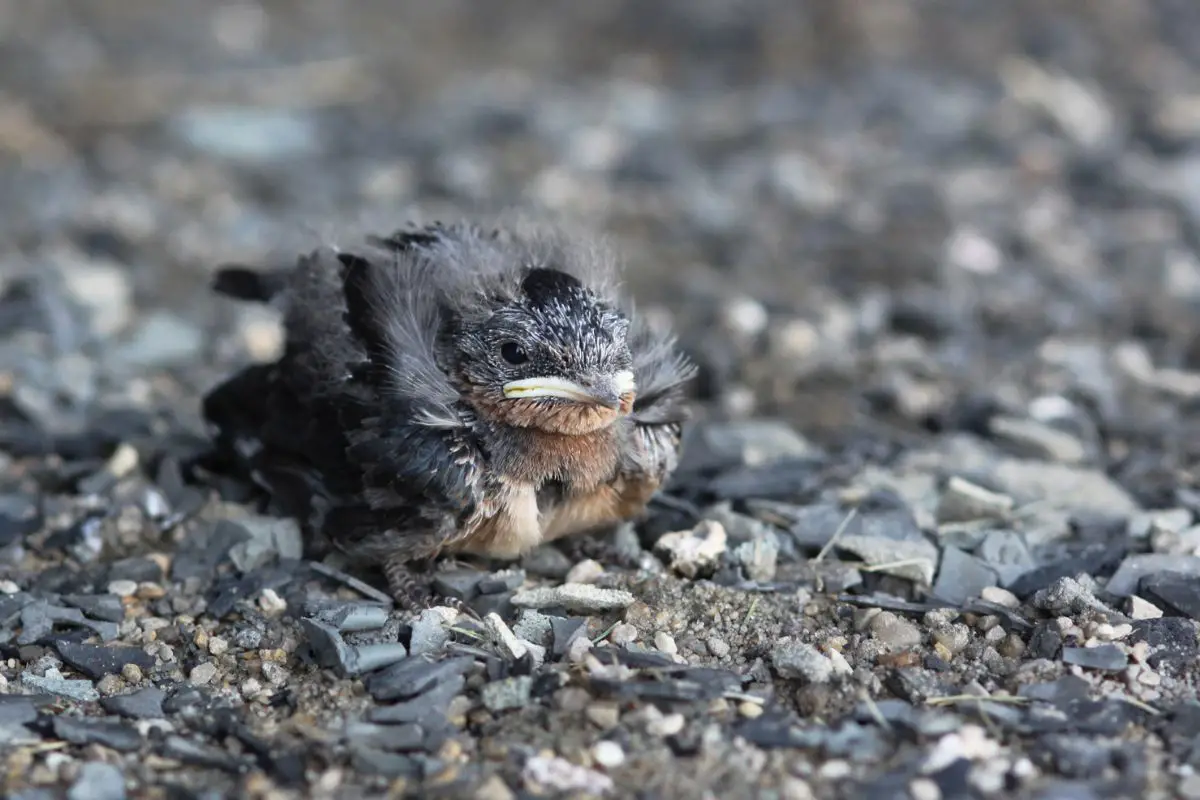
column 494, row 788
column 999, row 596
column 799, row 660
column 578, row 597
column 503, row 637
column 429, row 630
column 718, row 647
column 507, row 694
column 608, row 754
column 98, row 781
column 895, row 632
column 203, row 673
column 123, row 588
column 623, row 634
column 694, row 551
column 665, row 643
column 669, row 725
column 587, row 571
column 1140, row 608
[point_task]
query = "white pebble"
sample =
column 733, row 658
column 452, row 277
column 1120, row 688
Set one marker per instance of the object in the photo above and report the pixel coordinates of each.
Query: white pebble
column 665, row 643
column 122, row 588
column 1001, row 597
column 588, row 571
column 271, row 603
column 608, row 754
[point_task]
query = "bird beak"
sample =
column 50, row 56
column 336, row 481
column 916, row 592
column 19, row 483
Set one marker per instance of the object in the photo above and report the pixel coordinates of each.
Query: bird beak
column 608, row 391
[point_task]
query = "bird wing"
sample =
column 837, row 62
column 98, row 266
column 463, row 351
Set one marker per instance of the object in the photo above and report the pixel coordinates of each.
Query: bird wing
column 661, row 372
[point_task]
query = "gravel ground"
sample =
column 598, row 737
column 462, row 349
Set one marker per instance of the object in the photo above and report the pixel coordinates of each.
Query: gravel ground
column 937, row 529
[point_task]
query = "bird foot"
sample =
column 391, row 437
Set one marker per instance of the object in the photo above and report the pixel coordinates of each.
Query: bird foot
column 414, row 592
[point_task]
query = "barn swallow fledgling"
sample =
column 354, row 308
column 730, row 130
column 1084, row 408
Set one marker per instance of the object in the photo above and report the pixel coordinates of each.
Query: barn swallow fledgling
column 451, row 389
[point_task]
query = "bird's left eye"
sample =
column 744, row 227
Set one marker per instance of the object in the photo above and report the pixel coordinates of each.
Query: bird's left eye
column 513, row 353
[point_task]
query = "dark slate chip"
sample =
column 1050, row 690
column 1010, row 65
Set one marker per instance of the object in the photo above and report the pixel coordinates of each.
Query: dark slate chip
column 463, row 584
column 20, row 515
column 1173, row 591
column 486, row 604
column 432, row 704
column 95, row 661
column 992, row 714
column 1105, row 658
column 109, row 733
column 952, row 780
column 202, row 755
column 372, row 761
column 404, row 738
column 687, row 684
column 39, row 619
column 1062, row 692
column 349, row 617
column 1180, row 729
column 1046, row 641
column 1006, row 552
column 106, row 607
column 332, row 651
column 135, row 569
column 566, row 630
column 1103, row 717
column 637, row 659
column 1093, row 560
column 501, row 582
column 962, row 577
column 10, row 607
column 414, row 675
column 186, row 699
column 792, row 479
column 917, row 685
column 98, row 781
column 1072, row 755
column 775, row 728
column 1172, row 641
column 145, row 703
column 363, row 588
column 228, row 591
column 200, row 553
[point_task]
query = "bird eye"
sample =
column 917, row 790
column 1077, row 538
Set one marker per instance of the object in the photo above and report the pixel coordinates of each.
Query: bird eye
column 513, row 353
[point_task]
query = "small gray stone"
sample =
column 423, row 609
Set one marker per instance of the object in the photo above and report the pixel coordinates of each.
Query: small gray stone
column 246, row 134
column 579, row 597
column 798, row 660
column 270, row 538
column 55, row 683
column 1038, row 440
column 429, row 630
column 98, row 781
column 160, row 340
column 759, row 557
column 962, row 577
column 1007, row 554
column 1124, row 581
column 1104, row 658
column 696, row 551
column 535, row 627
column 963, row 501
column 895, row 632
column 508, row 693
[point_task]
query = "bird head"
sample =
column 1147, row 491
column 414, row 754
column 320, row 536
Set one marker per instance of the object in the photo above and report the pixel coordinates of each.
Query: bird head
column 553, row 356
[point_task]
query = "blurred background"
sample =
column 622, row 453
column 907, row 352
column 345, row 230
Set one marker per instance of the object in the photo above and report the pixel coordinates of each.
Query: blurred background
column 878, row 219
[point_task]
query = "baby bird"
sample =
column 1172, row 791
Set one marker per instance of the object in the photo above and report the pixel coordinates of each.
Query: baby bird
column 452, row 389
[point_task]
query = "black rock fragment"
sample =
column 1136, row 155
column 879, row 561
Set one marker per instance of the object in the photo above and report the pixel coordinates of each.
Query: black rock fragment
column 332, row 651
column 144, row 703
column 106, row 607
column 429, row 705
column 1046, row 641
column 566, row 630
column 962, row 577
column 39, row 619
column 109, row 733
column 1062, row 692
column 1173, row 591
column 135, row 569
column 96, row 661
column 203, row 551
column 1104, row 658
column 202, row 755
column 414, row 675
column 20, row 515
column 350, row 617
column 1172, row 640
